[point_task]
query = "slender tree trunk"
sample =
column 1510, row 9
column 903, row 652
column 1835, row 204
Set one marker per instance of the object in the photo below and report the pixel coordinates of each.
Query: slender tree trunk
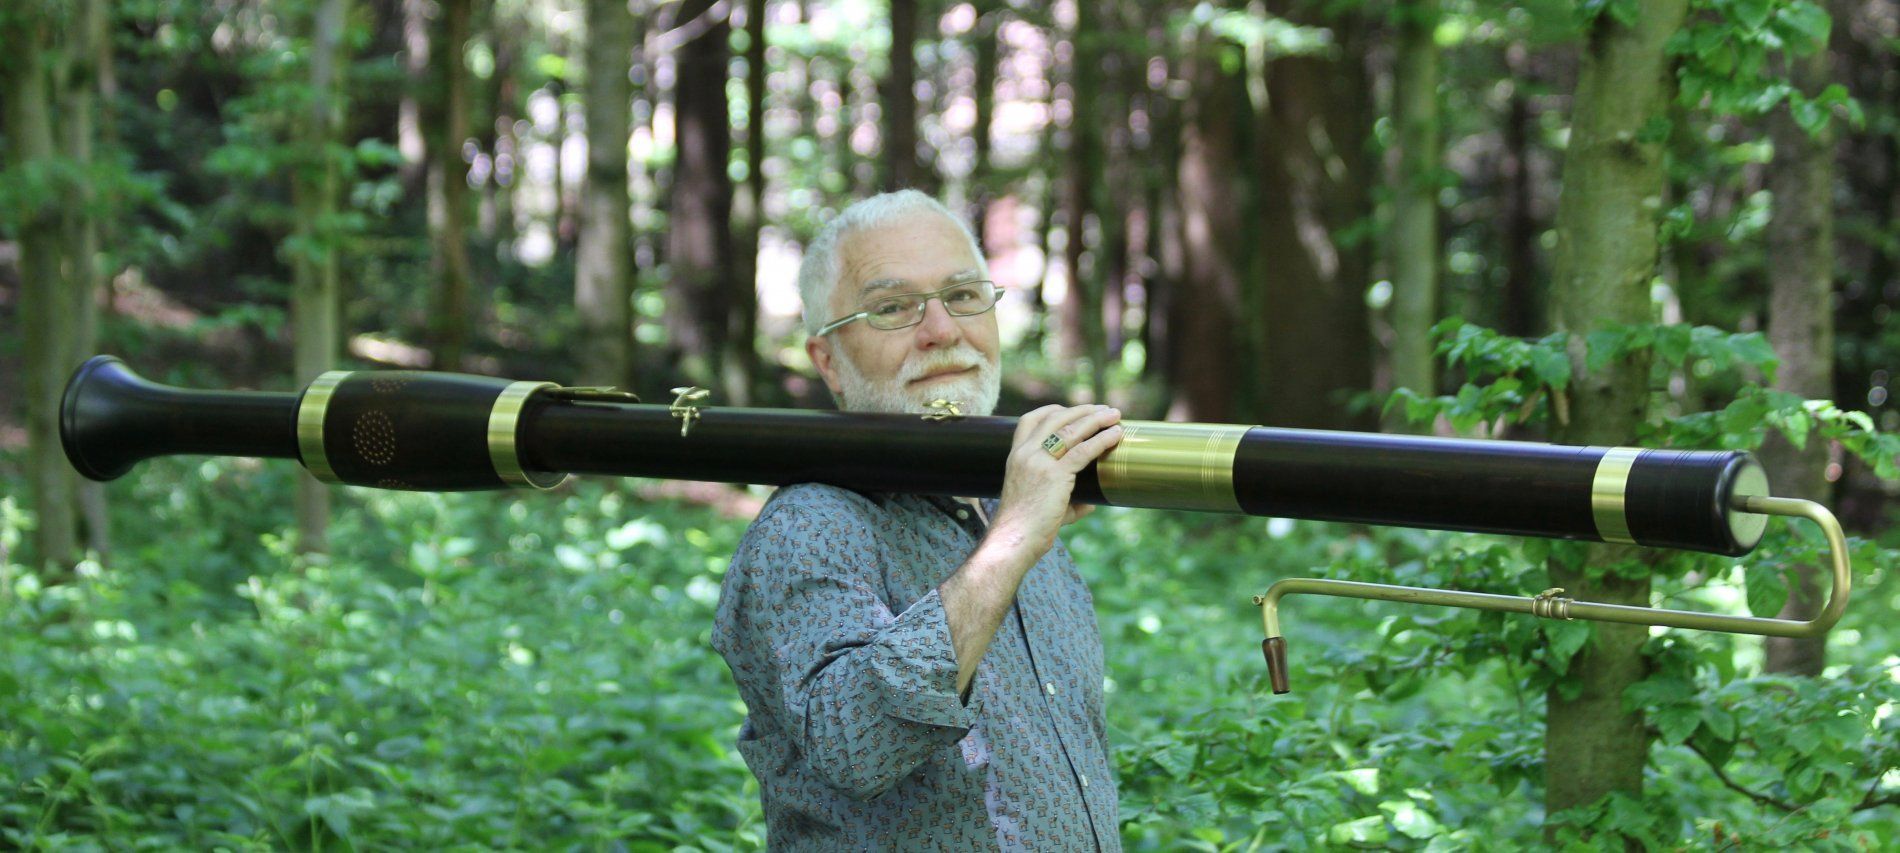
column 1314, row 172
column 1202, row 334
column 699, row 246
column 897, row 93
column 1414, row 240
column 448, row 189
column 748, row 213
column 315, row 297
column 603, row 280
column 1606, row 256
column 1524, row 313
column 1083, row 333
column 46, row 282
column 1801, row 329
column 987, row 46
column 87, row 65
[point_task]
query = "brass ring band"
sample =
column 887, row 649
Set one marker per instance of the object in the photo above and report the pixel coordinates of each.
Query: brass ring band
column 310, row 413
column 1172, row 466
column 1607, row 503
column 503, row 452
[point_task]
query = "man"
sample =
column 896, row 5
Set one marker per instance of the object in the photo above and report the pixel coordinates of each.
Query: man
column 921, row 672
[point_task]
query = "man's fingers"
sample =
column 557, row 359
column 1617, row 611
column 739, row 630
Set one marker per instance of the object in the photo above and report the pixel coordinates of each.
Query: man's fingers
column 1088, row 451
column 1030, row 425
column 1086, row 425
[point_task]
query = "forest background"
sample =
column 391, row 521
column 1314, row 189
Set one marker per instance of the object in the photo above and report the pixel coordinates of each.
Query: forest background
column 1668, row 223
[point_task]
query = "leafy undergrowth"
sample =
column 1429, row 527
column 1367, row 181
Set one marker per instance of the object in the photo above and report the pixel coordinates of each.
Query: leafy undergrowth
column 533, row 671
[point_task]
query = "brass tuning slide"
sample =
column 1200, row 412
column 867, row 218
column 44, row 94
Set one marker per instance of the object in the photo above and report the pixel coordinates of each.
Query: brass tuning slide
column 1552, row 605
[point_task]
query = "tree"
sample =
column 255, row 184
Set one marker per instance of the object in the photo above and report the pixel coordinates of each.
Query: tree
column 1082, row 324
column 1801, row 329
column 315, row 292
column 749, row 217
column 699, row 245
column 1205, row 275
column 50, row 85
column 897, row 94
column 448, row 187
column 1612, row 182
column 1414, row 235
column 603, row 275
column 1313, row 173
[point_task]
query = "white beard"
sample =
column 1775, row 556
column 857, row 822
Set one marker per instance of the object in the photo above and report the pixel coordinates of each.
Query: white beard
column 975, row 393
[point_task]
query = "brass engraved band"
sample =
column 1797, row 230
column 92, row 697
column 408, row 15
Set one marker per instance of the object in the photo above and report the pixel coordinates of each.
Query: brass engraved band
column 1175, row 466
column 1607, row 489
column 310, row 411
column 503, row 420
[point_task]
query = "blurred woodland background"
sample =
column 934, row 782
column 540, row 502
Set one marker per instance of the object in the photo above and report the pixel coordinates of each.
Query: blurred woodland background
column 1610, row 222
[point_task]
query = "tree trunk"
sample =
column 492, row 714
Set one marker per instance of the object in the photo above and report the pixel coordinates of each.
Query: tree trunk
column 1082, row 328
column 88, row 58
column 315, row 299
column 448, row 189
column 1801, row 329
column 1314, row 174
column 1414, row 245
column 1605, row 258
column 603, row 280
column 742, row 365
column 1524, row 313
column 1204, row 274
column 897, row 94
column 699, row 245
column 45, row 307
column 987, row 45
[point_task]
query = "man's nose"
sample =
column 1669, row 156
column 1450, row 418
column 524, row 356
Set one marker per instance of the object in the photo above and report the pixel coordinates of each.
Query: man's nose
column 938, row 327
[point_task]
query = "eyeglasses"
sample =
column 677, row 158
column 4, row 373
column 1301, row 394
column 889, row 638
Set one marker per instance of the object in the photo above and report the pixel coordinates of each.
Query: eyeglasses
column 904, row 310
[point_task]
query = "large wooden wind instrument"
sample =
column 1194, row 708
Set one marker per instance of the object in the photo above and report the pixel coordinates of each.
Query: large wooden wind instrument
column 443, row 431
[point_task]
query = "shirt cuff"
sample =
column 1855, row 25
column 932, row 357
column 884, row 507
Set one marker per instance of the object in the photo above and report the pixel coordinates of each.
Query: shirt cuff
column 916, row 668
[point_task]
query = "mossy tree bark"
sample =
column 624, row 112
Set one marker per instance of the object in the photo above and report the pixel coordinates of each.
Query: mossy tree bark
column 29, row 70
column 448, row 187
column 1605, row 260
column 1414, row 235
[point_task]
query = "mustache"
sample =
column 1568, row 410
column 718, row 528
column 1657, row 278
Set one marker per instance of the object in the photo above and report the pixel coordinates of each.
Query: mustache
column 962, row 358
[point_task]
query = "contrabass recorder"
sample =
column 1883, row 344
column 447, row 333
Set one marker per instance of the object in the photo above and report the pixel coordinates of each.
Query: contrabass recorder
column 432, row 431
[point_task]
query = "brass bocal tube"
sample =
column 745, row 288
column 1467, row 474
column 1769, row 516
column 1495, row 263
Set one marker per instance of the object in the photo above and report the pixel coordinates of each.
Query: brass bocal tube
column 1550, row 604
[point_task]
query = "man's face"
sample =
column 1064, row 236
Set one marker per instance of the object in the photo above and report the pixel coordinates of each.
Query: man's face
column 901, row 370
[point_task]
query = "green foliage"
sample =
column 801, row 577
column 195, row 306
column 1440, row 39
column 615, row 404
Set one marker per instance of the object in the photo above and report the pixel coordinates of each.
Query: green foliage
column 1725, row 60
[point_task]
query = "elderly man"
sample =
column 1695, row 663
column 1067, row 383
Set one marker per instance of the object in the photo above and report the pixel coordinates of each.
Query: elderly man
column 921, row 672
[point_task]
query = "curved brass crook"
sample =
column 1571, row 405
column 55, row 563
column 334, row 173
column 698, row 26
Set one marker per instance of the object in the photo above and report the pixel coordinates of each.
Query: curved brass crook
column 1549, row 604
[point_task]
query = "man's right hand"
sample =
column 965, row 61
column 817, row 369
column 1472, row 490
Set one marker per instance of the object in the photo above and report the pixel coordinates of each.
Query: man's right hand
column 1037, row 486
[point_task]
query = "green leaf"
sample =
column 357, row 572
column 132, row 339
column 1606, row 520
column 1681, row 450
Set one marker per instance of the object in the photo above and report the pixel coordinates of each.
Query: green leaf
column 1678, row 722
column 1767, row 589
column 1807, row 19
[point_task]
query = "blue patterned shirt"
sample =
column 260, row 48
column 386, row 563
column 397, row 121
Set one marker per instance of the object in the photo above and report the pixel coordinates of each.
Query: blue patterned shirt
column 831, row 623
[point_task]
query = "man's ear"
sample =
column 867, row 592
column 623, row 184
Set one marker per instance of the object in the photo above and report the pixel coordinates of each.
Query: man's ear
column 819, row 349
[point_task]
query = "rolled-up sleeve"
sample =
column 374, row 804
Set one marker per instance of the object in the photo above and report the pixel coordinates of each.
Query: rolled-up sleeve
column 868, row 693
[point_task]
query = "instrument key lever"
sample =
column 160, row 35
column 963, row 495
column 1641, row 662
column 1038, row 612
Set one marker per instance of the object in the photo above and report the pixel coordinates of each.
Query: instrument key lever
column 683, row 409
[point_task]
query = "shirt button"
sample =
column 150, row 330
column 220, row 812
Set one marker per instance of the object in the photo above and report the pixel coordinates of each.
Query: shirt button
column 1085, row 779
column 963, row 514
column 1049, row 687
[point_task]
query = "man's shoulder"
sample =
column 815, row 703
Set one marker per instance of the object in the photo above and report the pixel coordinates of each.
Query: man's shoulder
column 820, row 498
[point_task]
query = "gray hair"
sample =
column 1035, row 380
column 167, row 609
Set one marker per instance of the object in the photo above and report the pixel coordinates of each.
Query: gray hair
column 818, row 272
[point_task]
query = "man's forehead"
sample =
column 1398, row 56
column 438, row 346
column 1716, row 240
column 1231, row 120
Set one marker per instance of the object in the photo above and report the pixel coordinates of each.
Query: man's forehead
column 920, row 251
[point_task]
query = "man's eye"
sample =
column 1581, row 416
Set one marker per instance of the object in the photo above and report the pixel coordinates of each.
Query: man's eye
column 962, row 294
column 891, row 308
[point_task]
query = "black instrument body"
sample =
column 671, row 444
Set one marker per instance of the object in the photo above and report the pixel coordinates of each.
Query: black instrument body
column 445, row 432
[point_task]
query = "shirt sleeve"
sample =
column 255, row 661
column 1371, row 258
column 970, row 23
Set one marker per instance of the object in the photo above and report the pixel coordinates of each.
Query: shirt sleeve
column 869, row 694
